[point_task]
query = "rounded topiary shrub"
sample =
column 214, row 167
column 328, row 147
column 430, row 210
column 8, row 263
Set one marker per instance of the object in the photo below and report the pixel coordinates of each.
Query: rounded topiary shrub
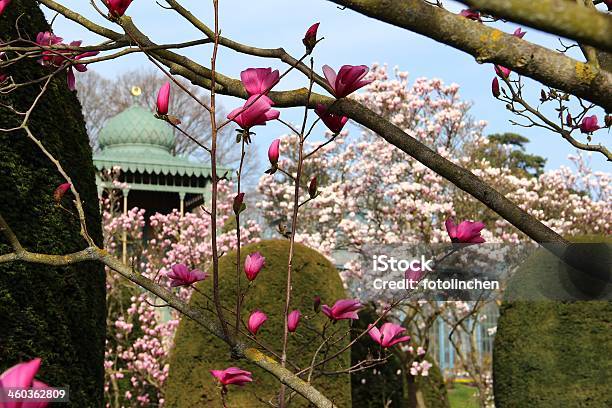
column 551, row 353
column 196, row 352
column 388, row 385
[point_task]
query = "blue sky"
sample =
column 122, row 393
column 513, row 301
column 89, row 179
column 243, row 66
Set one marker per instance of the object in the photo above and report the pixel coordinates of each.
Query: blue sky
column 350, row 38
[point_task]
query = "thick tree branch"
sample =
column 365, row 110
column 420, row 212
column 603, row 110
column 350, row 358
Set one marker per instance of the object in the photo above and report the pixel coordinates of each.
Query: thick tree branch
column 491, row 45
column 565, row 18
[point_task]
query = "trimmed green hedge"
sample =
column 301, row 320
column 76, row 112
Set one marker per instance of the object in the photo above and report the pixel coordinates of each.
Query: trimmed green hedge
column 552, row 353
column 196, row 352
column 57, row 314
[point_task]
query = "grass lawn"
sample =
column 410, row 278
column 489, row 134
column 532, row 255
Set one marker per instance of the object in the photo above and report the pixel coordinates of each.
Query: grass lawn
column 462, row 396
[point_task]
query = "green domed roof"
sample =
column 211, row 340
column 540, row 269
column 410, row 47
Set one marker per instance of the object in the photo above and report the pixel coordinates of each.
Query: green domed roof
column 137, row 142
column 137, row 127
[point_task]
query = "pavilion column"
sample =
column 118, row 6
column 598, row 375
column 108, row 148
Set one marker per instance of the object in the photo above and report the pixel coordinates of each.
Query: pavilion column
column 125, row 191
column 182, row 195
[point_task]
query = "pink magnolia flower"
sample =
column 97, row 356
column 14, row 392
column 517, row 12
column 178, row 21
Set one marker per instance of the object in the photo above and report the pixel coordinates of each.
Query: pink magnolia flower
column 3, row 77
column 256, row 319
column 293, row 319
column 3, row 5
column 342, row 309
column 163, row 99
column 348, row 80
column 467, row 232
column 609, row 4
column 58, row 57
column 181, row 275
column 425, row 366
column 256, row 111
column 46, row 38
column 495, row 87
column 253, row 264
column 389, row 334
column 117, row 8
column 334, row 122
column 310, row 39
column 589, row 124
column 259, row 80
column 232, row 376
column 22, row 376
column 502, row 71
column 60, row 191
column 471, row 14
column 274, row 152
column 519, row 33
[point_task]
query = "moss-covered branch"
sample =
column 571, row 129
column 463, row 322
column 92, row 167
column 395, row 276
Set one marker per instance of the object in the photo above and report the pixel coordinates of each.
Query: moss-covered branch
column 487, row 44
column 565, row 18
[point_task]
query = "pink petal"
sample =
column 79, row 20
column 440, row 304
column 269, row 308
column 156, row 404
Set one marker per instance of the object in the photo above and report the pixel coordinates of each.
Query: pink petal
column 71, row 79
column 327, row 311
column 20, row 375
column 451, row 228
column 374, row 333
column 330, row 75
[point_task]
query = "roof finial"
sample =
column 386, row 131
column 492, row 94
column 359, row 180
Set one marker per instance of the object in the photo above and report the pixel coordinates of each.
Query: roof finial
column 136, row 91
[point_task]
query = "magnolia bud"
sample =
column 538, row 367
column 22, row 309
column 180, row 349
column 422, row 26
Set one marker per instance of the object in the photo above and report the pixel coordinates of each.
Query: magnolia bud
column 312, row 187
column 60, row 191
column 163, row 99
column 239, row 205
column 495, row 88
column 310, row 39
column 608, row 120
column 274, row 152
column 316, row 304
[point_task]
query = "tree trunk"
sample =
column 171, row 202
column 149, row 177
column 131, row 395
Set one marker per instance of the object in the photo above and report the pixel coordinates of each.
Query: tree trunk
column 57, row 314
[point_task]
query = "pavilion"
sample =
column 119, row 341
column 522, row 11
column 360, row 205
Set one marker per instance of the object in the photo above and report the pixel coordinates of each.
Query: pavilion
column 151, row 176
